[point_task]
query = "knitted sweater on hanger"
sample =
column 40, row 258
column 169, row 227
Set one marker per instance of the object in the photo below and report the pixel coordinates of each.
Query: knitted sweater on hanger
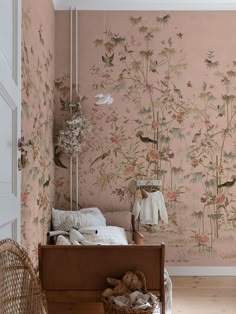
column 148, row 209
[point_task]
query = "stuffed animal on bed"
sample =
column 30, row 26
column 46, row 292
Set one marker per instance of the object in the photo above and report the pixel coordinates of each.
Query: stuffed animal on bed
column 75, row 237
column 131, row 281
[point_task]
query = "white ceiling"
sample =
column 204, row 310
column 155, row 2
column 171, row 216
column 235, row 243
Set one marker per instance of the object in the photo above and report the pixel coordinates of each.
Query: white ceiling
column 145, row 4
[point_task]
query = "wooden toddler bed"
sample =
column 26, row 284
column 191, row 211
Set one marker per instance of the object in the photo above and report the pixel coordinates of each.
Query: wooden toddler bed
column 74, row 277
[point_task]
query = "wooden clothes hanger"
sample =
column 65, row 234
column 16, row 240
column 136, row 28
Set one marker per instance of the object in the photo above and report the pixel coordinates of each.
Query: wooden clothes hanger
column 149, row 185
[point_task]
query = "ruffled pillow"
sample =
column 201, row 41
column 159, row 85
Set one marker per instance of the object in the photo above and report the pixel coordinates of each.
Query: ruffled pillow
column 86, row 217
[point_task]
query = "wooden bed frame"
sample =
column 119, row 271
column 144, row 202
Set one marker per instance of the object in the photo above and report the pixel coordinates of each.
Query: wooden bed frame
column 74, row 277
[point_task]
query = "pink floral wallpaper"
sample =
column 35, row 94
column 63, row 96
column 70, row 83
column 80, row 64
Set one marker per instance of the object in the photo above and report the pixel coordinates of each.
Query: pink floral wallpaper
column 38, row 68
column 173, row 79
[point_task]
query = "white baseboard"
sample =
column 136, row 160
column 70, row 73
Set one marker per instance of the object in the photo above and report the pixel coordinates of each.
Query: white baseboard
column 201, row 270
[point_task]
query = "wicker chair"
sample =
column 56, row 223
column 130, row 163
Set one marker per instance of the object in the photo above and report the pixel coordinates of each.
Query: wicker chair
column 20, row 289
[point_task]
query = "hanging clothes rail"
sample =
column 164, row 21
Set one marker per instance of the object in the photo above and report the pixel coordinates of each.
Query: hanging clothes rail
column 74, row 50
column 77, row 98
column 71, row 99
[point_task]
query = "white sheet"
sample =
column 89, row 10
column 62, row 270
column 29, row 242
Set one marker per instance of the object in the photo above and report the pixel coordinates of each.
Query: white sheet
column 105, row 235
column 168, row 295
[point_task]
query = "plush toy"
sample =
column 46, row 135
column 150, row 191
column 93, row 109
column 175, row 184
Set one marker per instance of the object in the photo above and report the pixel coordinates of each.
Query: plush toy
column 69, row 227
column 75, row 236
column 130, row 282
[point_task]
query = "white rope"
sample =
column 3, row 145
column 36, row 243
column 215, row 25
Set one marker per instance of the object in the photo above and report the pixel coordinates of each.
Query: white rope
column 76, row 89
column 71, row 79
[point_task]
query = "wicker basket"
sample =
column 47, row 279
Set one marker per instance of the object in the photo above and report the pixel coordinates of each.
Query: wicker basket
column 20, row 289
column 111, row 308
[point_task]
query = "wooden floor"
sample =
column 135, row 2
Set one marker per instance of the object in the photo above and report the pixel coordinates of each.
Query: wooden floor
column 204, row 295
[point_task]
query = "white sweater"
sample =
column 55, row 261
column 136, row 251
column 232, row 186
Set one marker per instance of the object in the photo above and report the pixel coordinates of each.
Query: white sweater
column 148, row 209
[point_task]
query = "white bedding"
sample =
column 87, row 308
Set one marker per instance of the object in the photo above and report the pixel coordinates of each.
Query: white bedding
column 87, row 220
column 105, row 235
column 86, row 217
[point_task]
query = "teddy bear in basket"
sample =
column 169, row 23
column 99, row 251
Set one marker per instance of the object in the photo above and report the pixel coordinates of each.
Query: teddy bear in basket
column 131, row 281
column 129, row 292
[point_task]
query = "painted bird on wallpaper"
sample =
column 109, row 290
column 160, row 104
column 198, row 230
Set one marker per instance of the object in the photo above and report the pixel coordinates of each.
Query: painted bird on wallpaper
column 108, row 60
column 106, row 99
column 179, row 35
column 103, row 156
column 227, row 184
column 57, row 157
column 210, row 63
column 46, row 183
column 145, row 139
column 164, row 19
column 196, row 136
column 178, row 91
column 221, row 110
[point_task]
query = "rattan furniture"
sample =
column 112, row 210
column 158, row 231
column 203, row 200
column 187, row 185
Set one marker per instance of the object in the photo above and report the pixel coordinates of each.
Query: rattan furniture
column 20, row 290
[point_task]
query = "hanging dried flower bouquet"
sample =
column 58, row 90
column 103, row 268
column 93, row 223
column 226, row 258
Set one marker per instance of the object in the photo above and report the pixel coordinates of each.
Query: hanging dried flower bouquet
column 72, row 137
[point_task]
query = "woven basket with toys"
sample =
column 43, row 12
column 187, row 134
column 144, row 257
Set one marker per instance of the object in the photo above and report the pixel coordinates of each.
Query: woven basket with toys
column 129, row 295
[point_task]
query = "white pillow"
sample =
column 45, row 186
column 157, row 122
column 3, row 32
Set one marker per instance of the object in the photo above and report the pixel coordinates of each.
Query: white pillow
column 105, row 235
column 80, row 218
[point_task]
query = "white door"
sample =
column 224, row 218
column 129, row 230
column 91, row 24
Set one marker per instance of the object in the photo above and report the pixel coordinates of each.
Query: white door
column 10, row 114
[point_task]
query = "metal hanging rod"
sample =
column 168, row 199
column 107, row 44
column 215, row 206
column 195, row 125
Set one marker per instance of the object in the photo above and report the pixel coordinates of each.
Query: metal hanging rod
column 71, row 110
column 73, row 105
column 149, row 182
column 77, row 94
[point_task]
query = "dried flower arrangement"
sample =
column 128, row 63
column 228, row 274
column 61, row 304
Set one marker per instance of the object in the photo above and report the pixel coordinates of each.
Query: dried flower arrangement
column 76, row 129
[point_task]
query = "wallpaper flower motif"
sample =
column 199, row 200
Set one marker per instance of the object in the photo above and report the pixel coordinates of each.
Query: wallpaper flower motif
column 37, row 123
column 146, row 79
column 172, row 117
column 212, row 155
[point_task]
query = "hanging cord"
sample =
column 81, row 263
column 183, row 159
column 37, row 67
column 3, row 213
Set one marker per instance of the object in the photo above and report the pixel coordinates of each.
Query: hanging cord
column 71, row 110
column 77, row 97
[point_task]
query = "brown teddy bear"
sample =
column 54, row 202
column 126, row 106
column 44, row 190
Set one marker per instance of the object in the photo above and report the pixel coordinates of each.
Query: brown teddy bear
column 131, row 281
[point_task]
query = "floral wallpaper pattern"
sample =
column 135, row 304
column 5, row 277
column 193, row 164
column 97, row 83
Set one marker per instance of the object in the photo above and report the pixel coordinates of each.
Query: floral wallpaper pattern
column 38, row 66
column 173, row 118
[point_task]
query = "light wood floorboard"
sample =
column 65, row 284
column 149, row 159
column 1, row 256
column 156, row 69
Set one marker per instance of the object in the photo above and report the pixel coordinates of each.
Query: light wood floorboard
column 204, row 295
